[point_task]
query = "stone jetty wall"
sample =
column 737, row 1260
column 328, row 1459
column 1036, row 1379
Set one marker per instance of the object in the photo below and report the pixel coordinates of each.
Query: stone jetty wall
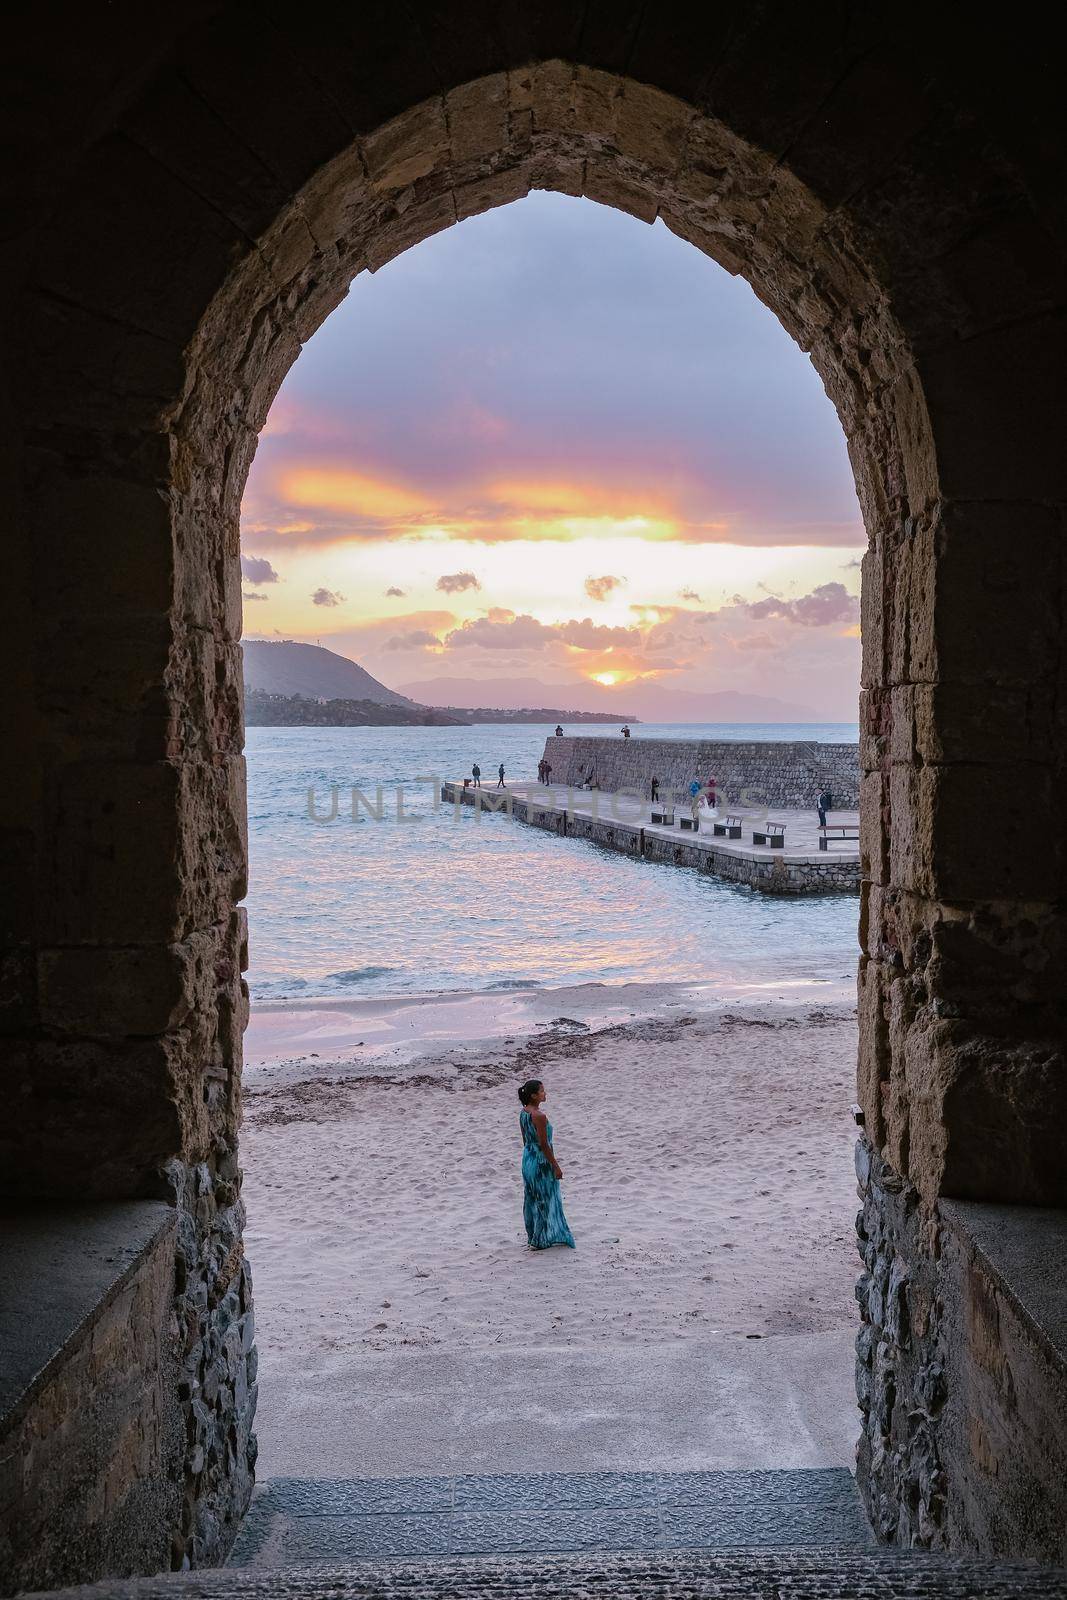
column 773, row 875
column 750, row 773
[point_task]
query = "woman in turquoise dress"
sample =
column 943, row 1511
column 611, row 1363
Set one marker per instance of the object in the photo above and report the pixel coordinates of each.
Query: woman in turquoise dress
column 542, row 1208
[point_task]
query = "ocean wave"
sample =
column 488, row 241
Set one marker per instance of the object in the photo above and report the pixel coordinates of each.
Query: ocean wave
column 359, row 974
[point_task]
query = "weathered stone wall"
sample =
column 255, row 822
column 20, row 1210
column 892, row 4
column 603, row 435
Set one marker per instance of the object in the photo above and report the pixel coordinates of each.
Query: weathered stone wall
column 751, row 773
column 902, row 1365
column 961, row 1370
column 92, row 1455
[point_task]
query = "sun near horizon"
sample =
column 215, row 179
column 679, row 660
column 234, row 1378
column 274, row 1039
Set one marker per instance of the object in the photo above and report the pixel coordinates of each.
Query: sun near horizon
column 554, row 446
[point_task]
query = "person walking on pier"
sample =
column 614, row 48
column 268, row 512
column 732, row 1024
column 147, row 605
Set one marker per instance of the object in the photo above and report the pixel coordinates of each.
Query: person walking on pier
column 500, row 777
column 476, row 774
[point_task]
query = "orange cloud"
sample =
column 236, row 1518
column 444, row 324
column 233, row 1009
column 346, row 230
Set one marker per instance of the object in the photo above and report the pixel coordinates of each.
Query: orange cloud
column 358, row 494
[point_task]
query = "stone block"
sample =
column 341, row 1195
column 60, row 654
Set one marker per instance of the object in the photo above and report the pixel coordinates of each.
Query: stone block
column 115, row 992
column 116, row 872
column 95, row 1118
column 103, row 546
column 603, row 183
column 407, row 148
column 988, row 399
column 997, row 617
column 477, row 117
column 498, row 189
column 996, row 833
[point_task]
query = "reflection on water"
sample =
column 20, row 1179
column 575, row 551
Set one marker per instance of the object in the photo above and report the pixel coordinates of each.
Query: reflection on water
column 440, row 903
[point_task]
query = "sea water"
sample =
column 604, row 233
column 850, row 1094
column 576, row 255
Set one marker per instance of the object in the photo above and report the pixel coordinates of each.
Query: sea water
column 425, row 900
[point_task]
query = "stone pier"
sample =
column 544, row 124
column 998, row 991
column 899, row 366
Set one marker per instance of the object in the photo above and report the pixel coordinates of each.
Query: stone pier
column 619, row 821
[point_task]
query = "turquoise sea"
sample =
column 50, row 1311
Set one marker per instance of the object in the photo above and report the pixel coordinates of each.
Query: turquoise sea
column 424, row 901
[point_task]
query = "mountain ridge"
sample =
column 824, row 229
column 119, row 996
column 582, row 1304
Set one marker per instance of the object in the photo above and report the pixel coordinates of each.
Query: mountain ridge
column 287, row 667
column 650, row 702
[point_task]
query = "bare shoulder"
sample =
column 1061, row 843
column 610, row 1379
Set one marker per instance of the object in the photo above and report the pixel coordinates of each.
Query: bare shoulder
column 540, row 1119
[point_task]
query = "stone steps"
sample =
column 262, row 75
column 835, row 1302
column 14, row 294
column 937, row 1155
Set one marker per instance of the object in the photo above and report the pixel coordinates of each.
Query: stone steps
column 296, row 1521
column 870, row 1574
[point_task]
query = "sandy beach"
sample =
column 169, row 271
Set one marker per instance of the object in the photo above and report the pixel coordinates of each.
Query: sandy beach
column 707, row 1155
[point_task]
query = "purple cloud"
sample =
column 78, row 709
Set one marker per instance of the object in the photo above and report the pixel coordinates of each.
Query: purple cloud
column 416, row 639
column 456, row 582
column 257, row 569
column 393, row 593
column 826, row 604
column 326, row 597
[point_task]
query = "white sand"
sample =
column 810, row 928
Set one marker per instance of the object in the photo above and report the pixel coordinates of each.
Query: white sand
column 707, row 1157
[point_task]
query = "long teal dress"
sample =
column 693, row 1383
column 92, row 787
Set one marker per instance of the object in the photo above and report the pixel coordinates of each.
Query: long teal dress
column 542, row 1207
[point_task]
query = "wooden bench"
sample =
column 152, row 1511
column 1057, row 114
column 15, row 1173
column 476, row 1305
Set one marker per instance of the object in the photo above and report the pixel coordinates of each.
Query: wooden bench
column 728, row 828
column 840, row 830
column 772, row 834
column 692, row 823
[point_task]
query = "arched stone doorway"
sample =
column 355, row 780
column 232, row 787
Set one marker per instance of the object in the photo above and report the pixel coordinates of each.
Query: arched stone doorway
column 204, row 207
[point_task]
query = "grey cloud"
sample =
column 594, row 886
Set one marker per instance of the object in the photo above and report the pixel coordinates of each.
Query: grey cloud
column 416, row 639
column 257, row 569
column 456, row 582
column 826, row 604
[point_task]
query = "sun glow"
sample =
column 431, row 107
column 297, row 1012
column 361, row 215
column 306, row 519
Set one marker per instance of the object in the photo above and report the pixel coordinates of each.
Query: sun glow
column 608, row 679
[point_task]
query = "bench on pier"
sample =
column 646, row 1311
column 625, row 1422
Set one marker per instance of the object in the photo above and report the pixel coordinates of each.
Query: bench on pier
column 728, row 828
column 772, row 834
column 690, row 822
column 663, row 816
column 840, row 830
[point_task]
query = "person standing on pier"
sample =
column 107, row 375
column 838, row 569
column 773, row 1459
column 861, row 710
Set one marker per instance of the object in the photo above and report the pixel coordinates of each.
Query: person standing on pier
column 826, row 803
column 654, row 796
column 559, row 731
column 500, row 777
column 476, row 774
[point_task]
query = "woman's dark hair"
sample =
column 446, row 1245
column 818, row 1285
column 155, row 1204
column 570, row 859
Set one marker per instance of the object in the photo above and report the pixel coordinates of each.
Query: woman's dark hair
column 529, row 1089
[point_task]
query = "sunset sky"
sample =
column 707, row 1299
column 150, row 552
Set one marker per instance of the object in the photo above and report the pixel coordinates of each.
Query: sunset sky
column 554, row 443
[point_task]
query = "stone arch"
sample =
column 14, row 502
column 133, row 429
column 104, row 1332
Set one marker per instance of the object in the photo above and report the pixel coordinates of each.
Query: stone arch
column 223, row 185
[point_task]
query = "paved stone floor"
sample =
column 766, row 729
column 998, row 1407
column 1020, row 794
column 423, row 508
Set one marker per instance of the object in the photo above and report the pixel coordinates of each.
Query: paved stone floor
column 702, row 1405
column 301, row 1521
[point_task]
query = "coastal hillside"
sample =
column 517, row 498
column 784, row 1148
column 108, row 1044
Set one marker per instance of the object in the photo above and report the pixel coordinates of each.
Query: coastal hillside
column 263, row 710
column 297, row 711
column 285, row 667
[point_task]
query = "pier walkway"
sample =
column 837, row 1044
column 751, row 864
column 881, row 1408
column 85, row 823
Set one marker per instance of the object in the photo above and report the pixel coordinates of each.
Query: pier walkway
column 621, row 821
